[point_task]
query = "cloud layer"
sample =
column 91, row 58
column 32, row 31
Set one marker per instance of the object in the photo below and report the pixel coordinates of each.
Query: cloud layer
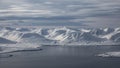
column 61, row 12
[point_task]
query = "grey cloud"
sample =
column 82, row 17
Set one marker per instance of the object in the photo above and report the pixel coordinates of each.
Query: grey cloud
column 77, row 11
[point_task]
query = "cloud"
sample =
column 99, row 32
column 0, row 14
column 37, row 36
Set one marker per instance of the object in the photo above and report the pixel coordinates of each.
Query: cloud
column 48, row 3
column 64, row 11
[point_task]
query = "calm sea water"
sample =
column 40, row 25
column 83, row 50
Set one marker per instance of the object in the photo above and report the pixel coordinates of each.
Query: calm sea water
column 62, row 57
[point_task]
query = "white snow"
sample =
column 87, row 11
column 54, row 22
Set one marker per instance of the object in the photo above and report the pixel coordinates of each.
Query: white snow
column 110, row 54
column 85, row 30
column 6, row 48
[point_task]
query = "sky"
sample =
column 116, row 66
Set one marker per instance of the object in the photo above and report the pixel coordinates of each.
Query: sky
column 88, row 13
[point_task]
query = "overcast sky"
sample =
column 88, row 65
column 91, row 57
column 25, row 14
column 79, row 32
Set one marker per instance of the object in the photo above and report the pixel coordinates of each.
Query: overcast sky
column 95, row 13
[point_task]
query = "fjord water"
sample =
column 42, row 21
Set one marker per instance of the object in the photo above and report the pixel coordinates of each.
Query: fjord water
column 62, row 57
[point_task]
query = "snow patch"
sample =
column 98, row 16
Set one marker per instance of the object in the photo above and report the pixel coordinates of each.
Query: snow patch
column 110, row 54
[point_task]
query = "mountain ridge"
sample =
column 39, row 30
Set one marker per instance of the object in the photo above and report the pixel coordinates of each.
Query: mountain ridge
column 63, row 35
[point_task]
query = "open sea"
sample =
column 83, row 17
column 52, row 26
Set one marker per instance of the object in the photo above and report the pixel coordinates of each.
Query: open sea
column 62, row 57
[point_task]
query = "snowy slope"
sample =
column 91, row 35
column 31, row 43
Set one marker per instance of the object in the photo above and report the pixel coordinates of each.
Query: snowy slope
column 62, row 35
column 6, row 41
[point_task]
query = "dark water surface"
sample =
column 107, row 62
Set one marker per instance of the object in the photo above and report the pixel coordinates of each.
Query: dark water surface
column 62, row 57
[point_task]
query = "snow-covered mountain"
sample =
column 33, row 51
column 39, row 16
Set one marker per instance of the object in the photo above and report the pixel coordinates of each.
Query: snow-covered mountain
column 20, row 39
column 60, row 35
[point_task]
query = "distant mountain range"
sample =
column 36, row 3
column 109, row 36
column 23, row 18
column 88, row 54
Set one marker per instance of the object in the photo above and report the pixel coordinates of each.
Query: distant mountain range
column 60, row 36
